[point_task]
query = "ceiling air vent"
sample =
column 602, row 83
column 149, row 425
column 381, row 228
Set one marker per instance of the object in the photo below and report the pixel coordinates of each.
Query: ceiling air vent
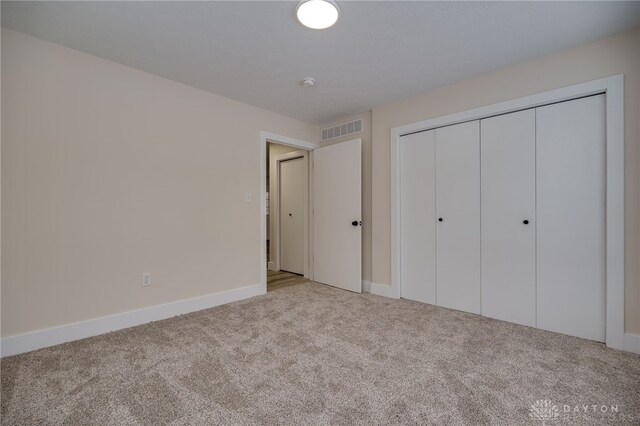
column 341, row 130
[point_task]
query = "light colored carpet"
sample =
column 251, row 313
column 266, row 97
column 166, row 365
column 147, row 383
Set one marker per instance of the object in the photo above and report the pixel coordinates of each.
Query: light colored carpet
column 311, row 354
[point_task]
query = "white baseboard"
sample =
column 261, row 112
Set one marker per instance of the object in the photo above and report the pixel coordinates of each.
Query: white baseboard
column 382, row 290
column 632, row 343
column 26, row 342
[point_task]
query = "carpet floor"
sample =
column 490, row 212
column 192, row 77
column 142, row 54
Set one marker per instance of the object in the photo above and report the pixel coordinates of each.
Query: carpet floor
column 312, row 354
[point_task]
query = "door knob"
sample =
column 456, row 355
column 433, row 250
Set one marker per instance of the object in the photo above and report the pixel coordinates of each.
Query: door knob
column 289, row 214
column 526, row 221
column 356, row 223
column 440, row 219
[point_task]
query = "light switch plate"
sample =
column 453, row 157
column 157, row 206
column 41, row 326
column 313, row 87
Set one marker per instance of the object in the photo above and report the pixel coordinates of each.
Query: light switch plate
column 146, row 279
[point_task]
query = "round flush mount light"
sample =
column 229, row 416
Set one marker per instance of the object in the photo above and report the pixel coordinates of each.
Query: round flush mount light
column 308, row 82
column 317, row 14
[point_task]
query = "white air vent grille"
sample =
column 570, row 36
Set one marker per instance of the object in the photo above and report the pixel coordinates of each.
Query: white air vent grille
column 341, row 130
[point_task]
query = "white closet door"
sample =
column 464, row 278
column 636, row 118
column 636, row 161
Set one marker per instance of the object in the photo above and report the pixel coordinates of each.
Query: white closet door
column 458, row 213
column 418, row 217
column 292, row 196
column 571, row 217
column 508, row 152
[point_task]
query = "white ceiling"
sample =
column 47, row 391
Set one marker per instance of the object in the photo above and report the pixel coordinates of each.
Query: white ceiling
column 378, row 52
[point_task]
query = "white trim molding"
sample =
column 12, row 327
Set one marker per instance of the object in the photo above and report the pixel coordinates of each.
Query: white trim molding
column 377, row 289
column 27, row 342
column 266, row 137
column 632, row 343
column 382, row 290
column 613, row 87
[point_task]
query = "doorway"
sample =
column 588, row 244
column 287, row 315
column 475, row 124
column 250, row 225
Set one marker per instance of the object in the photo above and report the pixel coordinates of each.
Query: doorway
column 287, row 185
column 332, row 232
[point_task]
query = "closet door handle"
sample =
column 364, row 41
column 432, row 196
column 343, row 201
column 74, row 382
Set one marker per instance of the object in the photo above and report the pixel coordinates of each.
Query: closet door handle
column 526, row 221
column 440, row 219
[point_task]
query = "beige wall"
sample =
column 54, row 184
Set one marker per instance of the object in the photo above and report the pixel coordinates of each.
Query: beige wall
column 108, row 172
column 615, row 55
column 365, row 135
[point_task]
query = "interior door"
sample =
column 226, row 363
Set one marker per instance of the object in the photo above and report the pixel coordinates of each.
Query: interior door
column 458, row 213
column 508, row 193
column 418, row 217
column 337, row 215
column 571, row 217
column 291, row 194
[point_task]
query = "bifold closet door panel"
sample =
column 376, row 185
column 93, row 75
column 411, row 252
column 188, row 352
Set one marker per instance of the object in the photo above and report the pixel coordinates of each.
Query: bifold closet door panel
column 458, row 216
column 417, row 217
column 571, row 217
column 508, row 194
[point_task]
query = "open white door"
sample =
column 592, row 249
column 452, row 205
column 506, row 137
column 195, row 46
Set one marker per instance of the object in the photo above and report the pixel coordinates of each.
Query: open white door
column 337, row 215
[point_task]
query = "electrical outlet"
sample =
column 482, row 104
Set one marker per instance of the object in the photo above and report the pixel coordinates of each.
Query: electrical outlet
column 146, row 279
column 247, row 197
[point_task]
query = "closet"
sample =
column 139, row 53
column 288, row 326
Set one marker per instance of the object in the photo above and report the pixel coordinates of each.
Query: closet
column 504, row 217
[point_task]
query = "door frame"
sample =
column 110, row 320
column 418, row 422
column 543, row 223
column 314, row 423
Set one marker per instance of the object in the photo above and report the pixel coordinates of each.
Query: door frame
column 264, row 138
column 274, row 200
column 613, row 88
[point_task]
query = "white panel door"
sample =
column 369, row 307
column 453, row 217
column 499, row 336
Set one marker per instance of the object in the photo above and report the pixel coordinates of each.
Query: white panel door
column 458, row 213
column 292, row 196
column 571, row 217
column 508, row 194
column 337, row 215
column 418, row 217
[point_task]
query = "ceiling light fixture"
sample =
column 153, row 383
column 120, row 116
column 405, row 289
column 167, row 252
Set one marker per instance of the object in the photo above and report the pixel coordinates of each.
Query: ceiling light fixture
column 317, row 14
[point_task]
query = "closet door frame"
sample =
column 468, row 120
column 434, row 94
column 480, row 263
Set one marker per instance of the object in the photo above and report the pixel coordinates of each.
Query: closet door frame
column 613, row 88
